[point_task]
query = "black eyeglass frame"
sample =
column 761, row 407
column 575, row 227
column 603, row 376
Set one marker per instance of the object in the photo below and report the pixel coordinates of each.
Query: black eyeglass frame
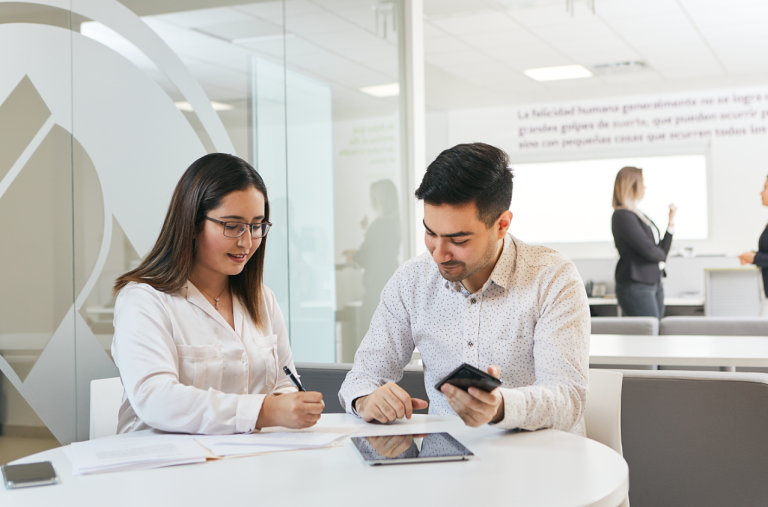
column 261, row 226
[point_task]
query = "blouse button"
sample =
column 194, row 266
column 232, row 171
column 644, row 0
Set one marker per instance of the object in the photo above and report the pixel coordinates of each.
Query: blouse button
column 470, row 343
column 242, row 391
column 243, row 358
column 473, row 300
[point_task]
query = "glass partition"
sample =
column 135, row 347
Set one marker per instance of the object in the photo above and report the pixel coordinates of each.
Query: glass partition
column 37, row 350
column 103, row 107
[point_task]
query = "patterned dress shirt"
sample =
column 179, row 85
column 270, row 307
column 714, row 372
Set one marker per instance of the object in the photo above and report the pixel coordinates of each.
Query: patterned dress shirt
column 531, row 319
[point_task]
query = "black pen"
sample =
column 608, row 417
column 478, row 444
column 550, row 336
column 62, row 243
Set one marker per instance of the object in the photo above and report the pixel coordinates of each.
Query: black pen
column 294, row 379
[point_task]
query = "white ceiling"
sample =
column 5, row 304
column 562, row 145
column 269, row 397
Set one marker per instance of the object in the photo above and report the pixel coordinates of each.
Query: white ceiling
column 335, row 41
column 475, row 50
column 489, row 42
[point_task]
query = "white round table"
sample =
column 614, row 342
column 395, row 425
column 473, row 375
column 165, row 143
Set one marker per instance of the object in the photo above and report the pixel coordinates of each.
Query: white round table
column 542, row 468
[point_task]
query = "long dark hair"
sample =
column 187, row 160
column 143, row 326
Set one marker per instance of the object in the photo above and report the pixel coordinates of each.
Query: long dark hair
column 201, row 188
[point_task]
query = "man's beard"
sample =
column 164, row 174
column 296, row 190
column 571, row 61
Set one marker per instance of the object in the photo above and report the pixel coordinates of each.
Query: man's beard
column 467, row 271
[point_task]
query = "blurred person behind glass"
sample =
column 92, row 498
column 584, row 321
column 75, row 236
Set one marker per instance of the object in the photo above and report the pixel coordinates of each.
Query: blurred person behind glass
column 378, row 253
column 641, row 252
column 760, row 258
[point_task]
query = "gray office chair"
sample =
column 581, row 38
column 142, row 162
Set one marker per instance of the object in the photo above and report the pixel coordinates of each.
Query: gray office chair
column 714, row 326
column 328, row 377
column 695, row 438
column 625, row 325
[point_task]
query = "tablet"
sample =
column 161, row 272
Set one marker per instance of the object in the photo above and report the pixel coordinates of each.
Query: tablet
column 410, row 448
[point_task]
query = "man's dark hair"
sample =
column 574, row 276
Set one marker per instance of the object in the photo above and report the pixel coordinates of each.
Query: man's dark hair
column 467, row 173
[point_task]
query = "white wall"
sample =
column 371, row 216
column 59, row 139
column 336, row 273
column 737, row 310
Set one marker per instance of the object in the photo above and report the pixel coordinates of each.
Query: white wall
column 727, row 125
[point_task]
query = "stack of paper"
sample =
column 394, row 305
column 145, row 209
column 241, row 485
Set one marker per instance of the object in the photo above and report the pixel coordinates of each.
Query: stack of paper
column 134, row 453
column 238, row 445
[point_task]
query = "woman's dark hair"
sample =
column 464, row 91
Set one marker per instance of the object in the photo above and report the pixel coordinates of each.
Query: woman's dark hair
column 201, row 189
column 467, row 173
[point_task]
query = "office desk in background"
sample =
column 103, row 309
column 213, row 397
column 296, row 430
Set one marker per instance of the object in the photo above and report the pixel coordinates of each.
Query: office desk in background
column 546, row 467
column 609, row 307
column 671, row 350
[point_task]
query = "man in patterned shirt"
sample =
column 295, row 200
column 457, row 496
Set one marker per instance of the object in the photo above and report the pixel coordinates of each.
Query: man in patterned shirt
column 479, row 296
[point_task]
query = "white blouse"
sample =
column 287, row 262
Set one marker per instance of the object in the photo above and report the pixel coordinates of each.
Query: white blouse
column 186, row 370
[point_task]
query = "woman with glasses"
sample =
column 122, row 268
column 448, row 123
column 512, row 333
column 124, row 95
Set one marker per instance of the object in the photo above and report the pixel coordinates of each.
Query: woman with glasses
column 642, row 250
column 199, row 340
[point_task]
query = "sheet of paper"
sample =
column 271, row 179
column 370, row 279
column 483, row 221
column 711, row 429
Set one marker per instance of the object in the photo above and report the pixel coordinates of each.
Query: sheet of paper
column 234, row 445
column 292, row 439
column 112, row 454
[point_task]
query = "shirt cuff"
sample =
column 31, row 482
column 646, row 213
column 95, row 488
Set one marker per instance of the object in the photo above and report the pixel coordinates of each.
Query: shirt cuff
column 247, row 412
column 671, row 230
column 514, row 409
column 351, row 403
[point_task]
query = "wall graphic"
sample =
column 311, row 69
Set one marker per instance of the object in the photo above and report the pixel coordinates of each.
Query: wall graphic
column 101, row 148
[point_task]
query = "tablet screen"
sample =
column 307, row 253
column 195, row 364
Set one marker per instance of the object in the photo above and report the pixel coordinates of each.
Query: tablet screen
column 412, row 448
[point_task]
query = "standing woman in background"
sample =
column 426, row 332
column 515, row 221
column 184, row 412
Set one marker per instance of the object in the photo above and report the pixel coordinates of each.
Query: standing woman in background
column 641, row 253
column 378, row 253
column 199, row 340
column 760, row 258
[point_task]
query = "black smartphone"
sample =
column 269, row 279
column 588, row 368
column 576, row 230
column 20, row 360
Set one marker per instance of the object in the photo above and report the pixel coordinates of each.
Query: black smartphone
column 29, row 474
column 466, row 376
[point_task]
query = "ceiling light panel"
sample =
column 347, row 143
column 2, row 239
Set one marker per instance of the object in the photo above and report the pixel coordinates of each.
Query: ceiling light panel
column 558, row 73
column 385, row 90
column 217, row 106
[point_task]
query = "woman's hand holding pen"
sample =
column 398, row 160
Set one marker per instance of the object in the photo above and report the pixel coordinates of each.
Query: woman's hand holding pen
column 291, row 410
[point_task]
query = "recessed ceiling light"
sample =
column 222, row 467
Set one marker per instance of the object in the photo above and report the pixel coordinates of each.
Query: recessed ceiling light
column 557, row 73
column 217, row 106
column 385, row 90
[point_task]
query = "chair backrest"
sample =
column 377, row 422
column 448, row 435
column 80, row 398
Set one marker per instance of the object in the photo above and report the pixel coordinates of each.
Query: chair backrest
column 714, row 326
column 695, row 438
column 327, row 378
column 603, row 414
column 106, row 398
column 625, row 325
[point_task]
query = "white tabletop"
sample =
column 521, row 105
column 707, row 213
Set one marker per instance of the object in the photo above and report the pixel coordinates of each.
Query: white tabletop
column 542, row 468
column 679, row 350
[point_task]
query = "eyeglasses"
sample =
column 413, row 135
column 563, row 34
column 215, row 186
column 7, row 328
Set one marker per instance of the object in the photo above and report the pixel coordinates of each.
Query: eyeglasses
column 237, row 229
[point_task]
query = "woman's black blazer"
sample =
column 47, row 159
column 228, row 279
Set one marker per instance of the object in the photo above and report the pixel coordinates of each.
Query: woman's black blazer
column 761, row 257
column 639, row 255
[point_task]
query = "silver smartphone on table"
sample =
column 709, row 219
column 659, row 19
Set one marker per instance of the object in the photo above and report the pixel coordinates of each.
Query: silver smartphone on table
column 29, row 474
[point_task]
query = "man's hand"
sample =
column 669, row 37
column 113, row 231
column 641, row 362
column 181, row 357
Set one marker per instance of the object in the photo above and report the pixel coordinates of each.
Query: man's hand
column 747, row 258
column 292, row 410
column 476, row 407
column 387, row 403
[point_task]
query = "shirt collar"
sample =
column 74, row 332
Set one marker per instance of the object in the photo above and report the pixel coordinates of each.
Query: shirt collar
column 502, row 272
